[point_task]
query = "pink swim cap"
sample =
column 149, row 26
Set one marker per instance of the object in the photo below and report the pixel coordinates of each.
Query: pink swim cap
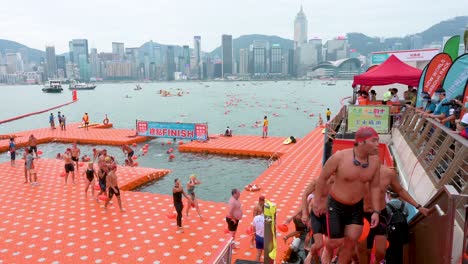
column 364, row 133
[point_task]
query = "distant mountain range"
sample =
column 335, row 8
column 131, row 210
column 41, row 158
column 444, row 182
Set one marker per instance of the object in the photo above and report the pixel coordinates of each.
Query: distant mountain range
column 358, row 41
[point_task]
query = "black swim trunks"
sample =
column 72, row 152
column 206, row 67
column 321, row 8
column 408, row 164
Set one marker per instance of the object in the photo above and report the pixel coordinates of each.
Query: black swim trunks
column 130, row 155
column 232, row 226
column 318, row 224
column 340, row 215
column 90, row 175
column 69, row 167
column 379, row 230
column 74, row 158
column 33, row 148
column 112, row 192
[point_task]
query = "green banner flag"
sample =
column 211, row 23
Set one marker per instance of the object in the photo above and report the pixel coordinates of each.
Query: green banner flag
column 451, row 47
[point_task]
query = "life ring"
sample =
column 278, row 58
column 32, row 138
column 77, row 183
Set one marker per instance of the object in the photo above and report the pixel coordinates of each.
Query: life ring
column 252, row 188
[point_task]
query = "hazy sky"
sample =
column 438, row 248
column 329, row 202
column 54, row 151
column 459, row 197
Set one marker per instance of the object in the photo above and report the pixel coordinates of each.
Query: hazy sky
column 36, row 23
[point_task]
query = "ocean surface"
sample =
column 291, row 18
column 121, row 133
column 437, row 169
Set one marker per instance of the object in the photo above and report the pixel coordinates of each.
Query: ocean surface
column 292, row 108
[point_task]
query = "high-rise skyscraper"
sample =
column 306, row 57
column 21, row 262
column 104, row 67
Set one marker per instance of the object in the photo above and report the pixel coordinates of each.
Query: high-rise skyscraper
column 300, row 29
column 118, row 48
column 276, row 59
column 260, row 57
column 95, row 64
column 78, row 47
column 170, row 63
column 226, row 41
column 61, row 65
column 243, row 62
column 51, row 62
column 197, row 55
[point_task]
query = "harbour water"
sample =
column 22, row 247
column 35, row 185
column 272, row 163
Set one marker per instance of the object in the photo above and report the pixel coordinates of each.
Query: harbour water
column 292, row 108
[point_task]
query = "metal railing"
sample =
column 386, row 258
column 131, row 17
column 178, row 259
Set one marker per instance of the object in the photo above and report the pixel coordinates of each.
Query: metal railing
column 224, row 255
column 432, row 237
column 440, row 151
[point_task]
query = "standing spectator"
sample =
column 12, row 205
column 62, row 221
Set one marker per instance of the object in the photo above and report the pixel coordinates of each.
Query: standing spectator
column 328, row 114
column 63, row 122
column 85, row 120
column 395, row 98
column 442, row 109
column 387, row 96
column 59, row 119
column 234, row 214
column 30, row 167
column 12, row 149
column 455, row 109
column 32, row 142
column 177, row 192
column 258, row 224
column 265, row 127
column 228, row 132
column 408, row 94
column 25, row 154
column 462, row 124
column 398, row 231
column 52, row 121
column 373, row 96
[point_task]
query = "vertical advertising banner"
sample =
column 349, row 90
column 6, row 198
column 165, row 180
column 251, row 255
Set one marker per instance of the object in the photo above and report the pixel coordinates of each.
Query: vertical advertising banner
column 436, row 71
column 451, row 46
column 172, row 130
column 455, row 80
column 420, row 87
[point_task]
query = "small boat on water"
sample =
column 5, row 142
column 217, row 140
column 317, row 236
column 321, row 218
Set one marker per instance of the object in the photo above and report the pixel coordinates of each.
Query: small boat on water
column 329, row 82
column 52, row 86
column 81, row 86
column 137, row 88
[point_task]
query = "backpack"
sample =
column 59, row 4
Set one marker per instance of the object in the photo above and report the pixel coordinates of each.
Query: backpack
column 397, row 220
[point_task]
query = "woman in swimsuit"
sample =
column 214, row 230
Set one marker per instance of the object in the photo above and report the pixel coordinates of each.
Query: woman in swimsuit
column 191, row 191
column 90, row 175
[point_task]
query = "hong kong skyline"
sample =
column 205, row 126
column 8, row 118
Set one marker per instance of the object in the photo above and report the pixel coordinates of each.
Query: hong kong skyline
column 40, row 23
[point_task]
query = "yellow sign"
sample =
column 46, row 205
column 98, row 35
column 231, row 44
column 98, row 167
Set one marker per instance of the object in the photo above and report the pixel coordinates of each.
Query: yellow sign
column 375, row 116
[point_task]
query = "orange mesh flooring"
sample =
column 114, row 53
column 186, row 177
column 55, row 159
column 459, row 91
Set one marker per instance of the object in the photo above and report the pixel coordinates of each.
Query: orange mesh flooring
column 95, row 135
column 239, row 145
column 282, row 183
column 54, row 223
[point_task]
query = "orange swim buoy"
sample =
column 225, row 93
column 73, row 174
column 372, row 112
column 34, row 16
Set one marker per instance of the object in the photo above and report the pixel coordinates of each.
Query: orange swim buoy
column 39, row 152
column 171, row 215
column 63, row 174
column 282, row 227
column 134, row 144
column 103, row 197
column 97, row 187
column 365, row 231
column 252, row 188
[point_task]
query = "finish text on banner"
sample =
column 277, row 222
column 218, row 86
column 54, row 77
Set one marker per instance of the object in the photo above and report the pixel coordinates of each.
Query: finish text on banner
column 172, row 130
column 375, row 116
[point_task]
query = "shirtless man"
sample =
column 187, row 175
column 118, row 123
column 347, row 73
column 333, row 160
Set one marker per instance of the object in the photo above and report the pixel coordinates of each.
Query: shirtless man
column 75, row 155
column 112, row 187
column 32, row 142
column 129, row 151
column 69, row 168
column 234, row 214
column 388, row 178
column 355, row 170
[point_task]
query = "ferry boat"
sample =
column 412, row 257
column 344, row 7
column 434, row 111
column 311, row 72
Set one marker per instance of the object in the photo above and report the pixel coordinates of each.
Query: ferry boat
column 81, row 86
column 52, row 86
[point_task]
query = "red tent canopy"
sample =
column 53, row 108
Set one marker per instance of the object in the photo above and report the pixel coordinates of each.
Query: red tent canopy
column 391, row 71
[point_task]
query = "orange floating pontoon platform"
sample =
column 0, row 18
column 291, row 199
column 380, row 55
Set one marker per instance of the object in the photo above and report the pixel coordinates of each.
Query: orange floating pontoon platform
column 55, row 223
column 97, row 135
column 254, row 146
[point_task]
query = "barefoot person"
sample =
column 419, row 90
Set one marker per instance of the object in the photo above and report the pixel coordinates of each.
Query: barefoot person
column 234, row 214
column 191, row 191
column 69, row 168
column 258, row 210
column 112, row 187
column 85, row 121
column 90, row 176
column 32, row 143
column 378, row 234
column 177, row 192
column 30, row 168
column 75, row 155
column 12, row 149
column 355, row 170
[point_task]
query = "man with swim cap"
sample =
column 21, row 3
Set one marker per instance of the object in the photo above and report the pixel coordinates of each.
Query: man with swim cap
column 388, row 178
column 355, row 170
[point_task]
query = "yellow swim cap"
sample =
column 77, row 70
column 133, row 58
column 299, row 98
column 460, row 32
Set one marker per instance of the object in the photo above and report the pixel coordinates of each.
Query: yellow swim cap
column 193, row 176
